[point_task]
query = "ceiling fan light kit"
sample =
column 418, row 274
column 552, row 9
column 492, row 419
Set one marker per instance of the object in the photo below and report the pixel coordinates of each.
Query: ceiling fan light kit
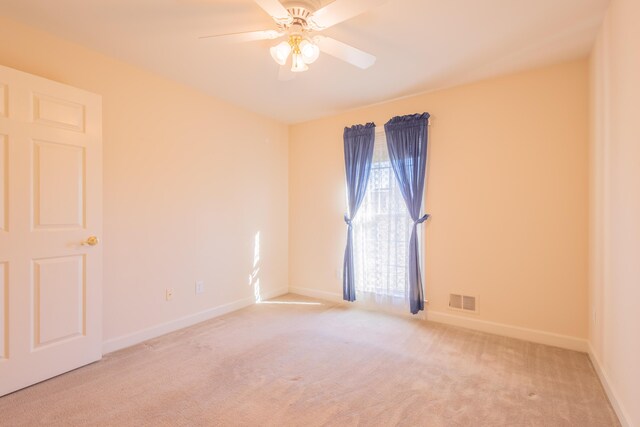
column 303, row 52
column 310, row 51
column 280, row 52
column 300, row 21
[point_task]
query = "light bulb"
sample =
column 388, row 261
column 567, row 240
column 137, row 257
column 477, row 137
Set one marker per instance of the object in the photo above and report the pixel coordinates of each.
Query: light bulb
column 280, row 52
column 310, row 51
column 297, row 63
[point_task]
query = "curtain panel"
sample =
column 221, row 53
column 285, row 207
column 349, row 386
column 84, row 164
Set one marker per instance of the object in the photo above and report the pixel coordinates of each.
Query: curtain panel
column 407, row 144
column 358, row 152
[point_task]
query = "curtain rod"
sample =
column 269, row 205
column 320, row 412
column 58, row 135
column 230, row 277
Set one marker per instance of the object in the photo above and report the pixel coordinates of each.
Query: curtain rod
column 380, row 129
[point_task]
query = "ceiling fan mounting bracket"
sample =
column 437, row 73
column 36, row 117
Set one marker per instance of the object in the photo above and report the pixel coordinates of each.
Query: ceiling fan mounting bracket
column 309, row 5
column 300, row 12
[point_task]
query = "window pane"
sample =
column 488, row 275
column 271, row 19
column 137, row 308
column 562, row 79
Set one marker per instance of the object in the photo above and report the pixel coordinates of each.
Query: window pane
column 381, row 233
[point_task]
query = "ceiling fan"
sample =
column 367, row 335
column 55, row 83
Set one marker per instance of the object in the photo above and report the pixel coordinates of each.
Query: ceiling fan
column 301, row 21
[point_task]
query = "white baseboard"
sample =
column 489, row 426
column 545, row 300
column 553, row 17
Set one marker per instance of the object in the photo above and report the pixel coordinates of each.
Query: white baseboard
column 608, row 388
column 273, row 294
column 314, row 293
column 134, row 338
column 533, row 335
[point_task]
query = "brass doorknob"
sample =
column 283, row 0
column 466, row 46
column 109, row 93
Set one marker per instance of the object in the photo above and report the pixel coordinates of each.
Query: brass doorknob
column 91, row 241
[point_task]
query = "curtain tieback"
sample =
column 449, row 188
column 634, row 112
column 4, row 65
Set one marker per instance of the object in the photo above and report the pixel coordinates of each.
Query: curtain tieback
column 421, row 220
column 347, row 220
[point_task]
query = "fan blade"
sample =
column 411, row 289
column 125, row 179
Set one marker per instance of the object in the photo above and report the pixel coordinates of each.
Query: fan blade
column 285, row 74
column 275, row 9
column 245, row 36
column 341, row 10
column 345, row 52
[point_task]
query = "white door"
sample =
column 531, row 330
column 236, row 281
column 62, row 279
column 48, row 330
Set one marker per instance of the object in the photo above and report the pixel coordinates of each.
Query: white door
column 50, row 203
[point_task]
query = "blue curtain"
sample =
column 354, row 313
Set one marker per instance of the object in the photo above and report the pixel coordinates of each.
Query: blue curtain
column 358, row 152
column 407, row 144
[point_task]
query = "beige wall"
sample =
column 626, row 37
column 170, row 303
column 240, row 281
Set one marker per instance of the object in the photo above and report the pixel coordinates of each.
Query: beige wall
column 189, row 181
column 615, row 206
column 507, row 190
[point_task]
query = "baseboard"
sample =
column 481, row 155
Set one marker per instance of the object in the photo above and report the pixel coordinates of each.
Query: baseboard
column 134, row 338
column 533, row 335
column 273, row 294
column 314, row 293
column 608, row 388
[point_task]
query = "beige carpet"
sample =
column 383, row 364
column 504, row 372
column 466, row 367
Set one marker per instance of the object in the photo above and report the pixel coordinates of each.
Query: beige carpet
column 321, row 364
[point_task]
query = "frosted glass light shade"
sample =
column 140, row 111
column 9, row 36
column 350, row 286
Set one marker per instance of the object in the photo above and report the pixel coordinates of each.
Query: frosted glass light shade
column 280, row 52
column 297, row 63
column 309, row 51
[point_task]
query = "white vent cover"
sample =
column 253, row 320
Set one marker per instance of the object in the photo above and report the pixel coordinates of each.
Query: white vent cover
column 462, row 302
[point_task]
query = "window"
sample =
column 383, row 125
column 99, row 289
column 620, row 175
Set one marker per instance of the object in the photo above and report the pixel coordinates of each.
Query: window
column 382, row 229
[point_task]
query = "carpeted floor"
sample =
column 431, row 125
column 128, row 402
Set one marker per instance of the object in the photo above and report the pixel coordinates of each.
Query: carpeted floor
column 294, row 361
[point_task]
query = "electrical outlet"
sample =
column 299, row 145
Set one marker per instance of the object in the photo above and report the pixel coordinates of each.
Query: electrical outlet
column 199, row 287
column 168, row 294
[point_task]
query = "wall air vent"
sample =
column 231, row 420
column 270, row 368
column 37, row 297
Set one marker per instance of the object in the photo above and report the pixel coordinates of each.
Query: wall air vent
column 463, row 303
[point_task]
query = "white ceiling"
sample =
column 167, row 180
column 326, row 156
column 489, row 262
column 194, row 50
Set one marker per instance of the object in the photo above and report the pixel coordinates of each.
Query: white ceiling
column 421, row 45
